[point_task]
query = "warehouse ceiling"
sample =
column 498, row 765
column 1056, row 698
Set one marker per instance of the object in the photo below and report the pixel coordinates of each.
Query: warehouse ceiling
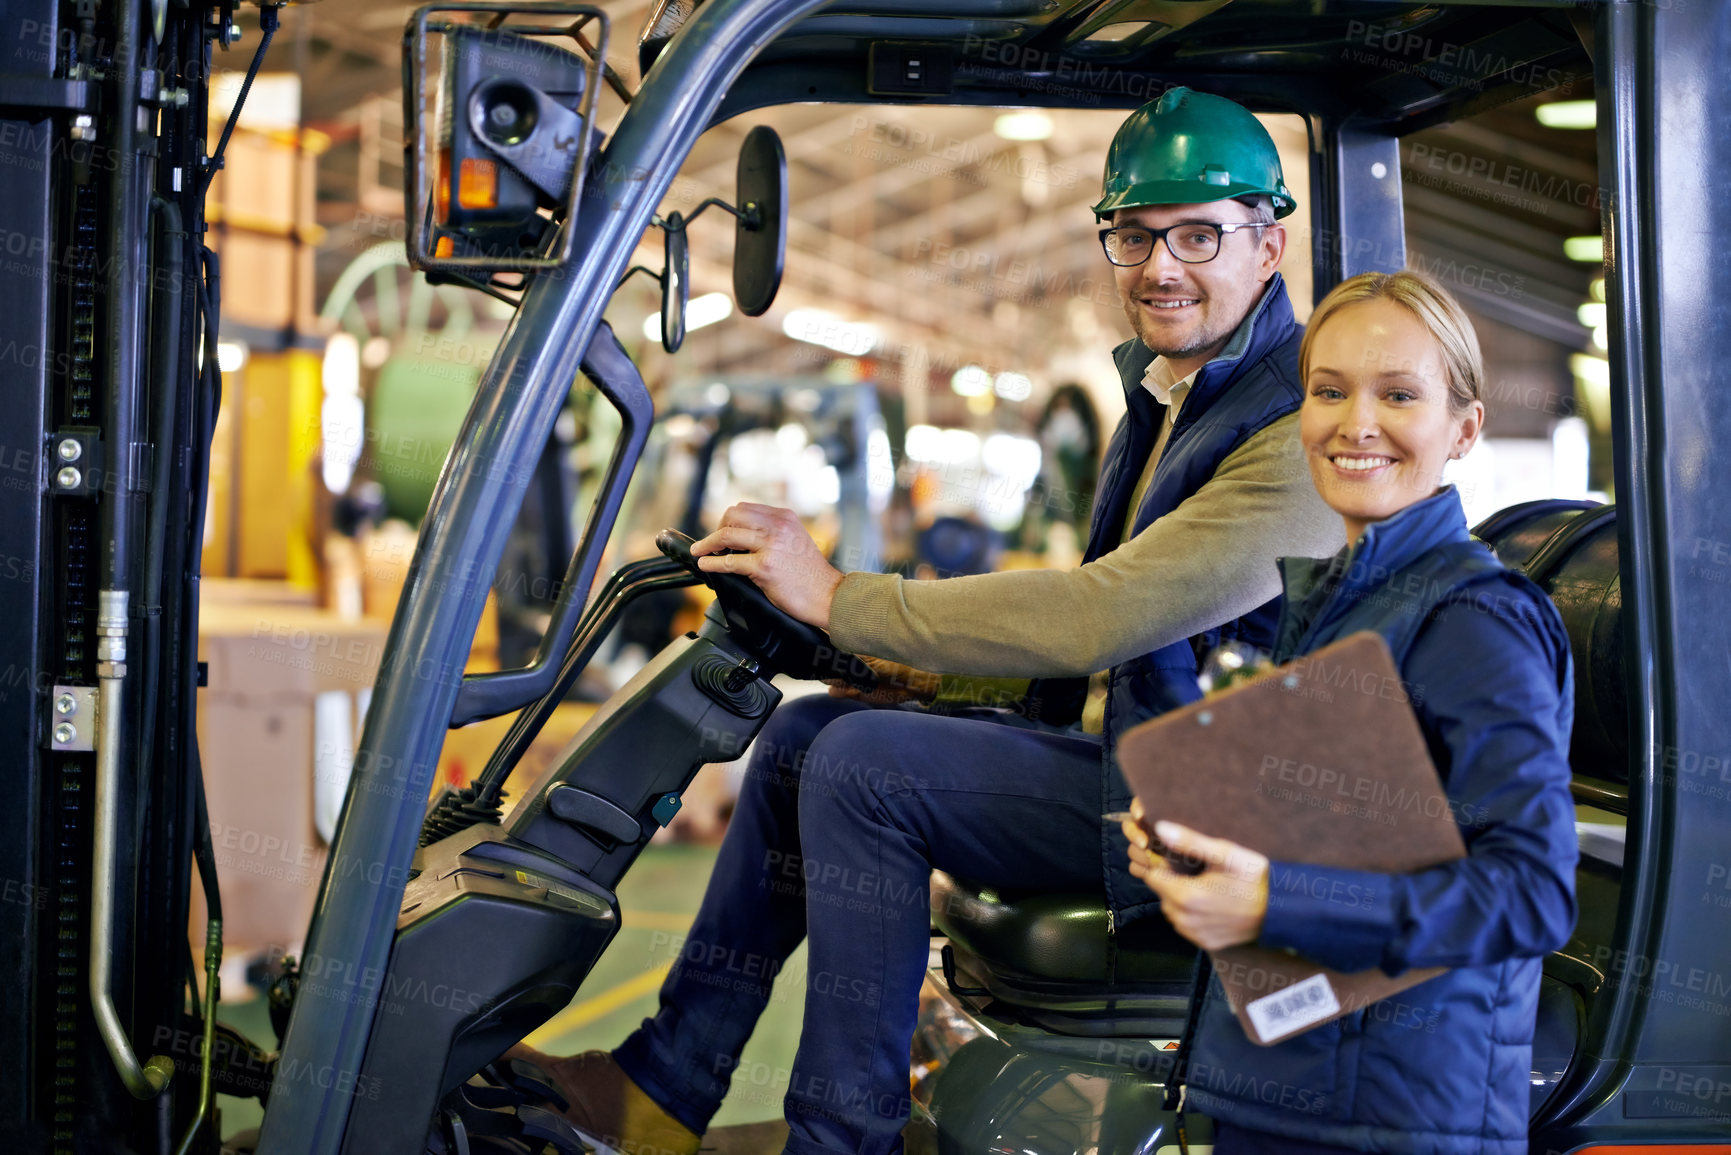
column 962, row 246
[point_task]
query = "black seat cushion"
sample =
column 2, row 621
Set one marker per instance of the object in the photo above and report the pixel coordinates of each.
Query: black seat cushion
column 1057, row 937
column 1049, row 956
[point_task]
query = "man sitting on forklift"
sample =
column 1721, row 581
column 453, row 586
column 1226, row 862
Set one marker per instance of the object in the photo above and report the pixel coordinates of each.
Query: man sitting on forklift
column 846, row 810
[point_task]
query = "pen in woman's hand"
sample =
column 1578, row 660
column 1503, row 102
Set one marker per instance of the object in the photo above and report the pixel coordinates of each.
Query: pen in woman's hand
column 1177, row 863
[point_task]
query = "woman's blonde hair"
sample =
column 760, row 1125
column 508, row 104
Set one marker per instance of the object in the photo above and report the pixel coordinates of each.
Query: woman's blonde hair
column 1433, row 306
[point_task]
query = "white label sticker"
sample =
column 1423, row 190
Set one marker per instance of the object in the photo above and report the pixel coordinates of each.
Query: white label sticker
column 1292, row 1009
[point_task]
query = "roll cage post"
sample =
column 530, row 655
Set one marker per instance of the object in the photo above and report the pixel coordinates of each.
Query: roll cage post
column 1357, row 223
column 1667, row 422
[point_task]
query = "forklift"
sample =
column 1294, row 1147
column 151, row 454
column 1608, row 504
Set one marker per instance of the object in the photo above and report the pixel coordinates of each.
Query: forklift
column 1042, row 1032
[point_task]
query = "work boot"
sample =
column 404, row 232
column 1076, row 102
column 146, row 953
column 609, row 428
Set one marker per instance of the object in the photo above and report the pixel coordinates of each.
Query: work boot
column 606, row 1105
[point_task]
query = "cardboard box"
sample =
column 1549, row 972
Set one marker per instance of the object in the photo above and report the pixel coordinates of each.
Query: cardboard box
column 384, row 557
column 263, row 211
column 220, row 592
column 264, row 653
column 266, row 182
column 272, row 666
column 258, row 778
column 267, row 280
column 270, row 167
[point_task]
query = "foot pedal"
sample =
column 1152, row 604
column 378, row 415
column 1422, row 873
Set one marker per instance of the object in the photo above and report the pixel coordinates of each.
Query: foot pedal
column 506, row 1109
column 513, row 1082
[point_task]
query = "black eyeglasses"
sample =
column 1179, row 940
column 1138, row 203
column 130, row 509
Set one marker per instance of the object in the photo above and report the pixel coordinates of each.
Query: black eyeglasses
column 1193, row 242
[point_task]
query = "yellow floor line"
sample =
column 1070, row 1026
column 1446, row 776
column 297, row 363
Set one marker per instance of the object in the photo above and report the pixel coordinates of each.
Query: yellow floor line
column 583, row 1013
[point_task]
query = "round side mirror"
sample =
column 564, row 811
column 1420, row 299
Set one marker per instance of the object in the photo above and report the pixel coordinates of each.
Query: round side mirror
column 760, row 239
column 675, row 283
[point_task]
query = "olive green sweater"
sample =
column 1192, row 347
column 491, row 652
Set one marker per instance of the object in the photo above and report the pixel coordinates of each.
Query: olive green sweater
column 1208, row 561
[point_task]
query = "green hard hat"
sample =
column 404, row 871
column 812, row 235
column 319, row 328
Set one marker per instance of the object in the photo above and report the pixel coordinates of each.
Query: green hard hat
column 1190, row 148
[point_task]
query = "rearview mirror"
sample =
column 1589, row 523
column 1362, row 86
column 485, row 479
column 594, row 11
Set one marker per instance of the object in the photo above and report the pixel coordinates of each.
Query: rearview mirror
column 760, row 238
column 675, row 283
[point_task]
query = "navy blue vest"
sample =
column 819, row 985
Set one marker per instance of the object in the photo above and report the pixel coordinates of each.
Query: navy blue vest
column 1253, row 383
column 1364, row 1079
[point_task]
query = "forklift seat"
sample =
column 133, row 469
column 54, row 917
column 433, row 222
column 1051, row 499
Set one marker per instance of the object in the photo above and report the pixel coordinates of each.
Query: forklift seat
column 1049, row 957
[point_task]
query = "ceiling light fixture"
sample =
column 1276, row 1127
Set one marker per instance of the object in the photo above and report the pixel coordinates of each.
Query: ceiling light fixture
column 699, row 311
column 1027, row 124
column 971, row 381
column 1120, row 32
column 818, row 327
column 1567, row 114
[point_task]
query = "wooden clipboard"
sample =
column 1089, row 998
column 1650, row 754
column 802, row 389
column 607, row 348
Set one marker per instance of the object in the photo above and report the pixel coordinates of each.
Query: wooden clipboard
column 1320, row 761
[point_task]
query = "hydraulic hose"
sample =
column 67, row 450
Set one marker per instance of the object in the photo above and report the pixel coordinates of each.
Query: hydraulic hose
column 203, row 847
column 164, row 393
column 212, row 964
column 209, row 404
column 148, row 1081
column 204, row 851
column 267, row 23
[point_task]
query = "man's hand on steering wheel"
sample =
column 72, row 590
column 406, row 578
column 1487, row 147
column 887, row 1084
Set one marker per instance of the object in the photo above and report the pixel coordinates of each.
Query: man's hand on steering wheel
column 773, row 549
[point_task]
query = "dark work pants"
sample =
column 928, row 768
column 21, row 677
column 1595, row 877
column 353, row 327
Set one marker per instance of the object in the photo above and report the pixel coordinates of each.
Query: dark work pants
column 844, row 813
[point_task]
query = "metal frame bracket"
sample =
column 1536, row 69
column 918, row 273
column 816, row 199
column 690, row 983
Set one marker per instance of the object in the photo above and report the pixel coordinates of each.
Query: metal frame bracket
column 72, row 718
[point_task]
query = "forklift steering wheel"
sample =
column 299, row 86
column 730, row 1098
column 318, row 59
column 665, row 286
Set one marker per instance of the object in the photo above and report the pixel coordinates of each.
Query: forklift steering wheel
column 780, row 640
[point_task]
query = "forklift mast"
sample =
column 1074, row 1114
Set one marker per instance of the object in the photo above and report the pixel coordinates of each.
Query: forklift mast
column 104, row 292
